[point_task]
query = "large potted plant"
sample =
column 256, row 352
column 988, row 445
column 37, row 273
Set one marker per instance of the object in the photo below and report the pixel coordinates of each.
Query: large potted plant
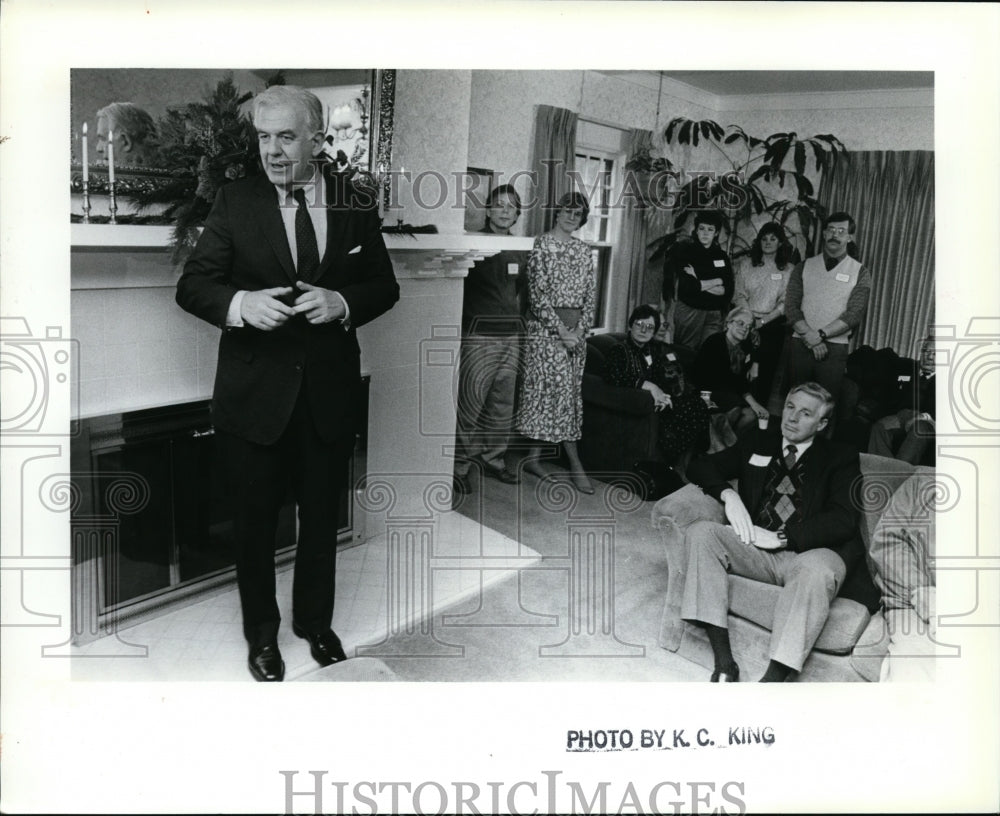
column 757, row 180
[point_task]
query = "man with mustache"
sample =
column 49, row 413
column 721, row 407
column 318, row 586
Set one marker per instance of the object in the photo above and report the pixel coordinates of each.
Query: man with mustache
column 825, row 301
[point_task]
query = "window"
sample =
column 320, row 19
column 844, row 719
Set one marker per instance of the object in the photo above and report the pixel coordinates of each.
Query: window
column 596, row 174
column 598, row 178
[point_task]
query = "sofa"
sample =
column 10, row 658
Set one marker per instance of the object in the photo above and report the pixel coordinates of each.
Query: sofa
column 620, row 425
column 853, row 644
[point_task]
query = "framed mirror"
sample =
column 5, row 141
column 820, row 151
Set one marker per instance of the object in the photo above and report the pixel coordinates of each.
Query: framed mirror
column 179, row 134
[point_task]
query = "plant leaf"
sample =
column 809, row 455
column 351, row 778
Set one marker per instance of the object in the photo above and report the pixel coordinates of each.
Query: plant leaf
column 780, row 150
column 800, row 158
column 684, row 135
column 805, row 186
column 671, row 126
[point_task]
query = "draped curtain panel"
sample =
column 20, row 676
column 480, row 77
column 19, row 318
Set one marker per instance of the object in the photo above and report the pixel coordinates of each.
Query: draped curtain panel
column 553, row 155
column 635, row 231
column 891, row 196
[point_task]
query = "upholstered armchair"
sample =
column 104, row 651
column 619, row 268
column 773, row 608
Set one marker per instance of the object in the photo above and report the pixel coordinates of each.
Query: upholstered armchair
column 852, row 645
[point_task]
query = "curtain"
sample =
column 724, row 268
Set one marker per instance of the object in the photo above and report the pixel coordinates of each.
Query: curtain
column 552, row 156
column 635, row 232
column 891, row 196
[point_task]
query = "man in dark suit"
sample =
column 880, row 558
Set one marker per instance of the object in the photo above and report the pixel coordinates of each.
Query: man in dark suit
column 792, row 522
column 289, row 264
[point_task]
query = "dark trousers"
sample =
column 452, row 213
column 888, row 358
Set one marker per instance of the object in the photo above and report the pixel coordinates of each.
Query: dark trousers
column 828, row 372
column 772, row 340
column 260, row 477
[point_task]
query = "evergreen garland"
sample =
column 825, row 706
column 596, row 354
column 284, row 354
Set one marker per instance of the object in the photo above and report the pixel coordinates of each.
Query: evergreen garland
column 204, row 145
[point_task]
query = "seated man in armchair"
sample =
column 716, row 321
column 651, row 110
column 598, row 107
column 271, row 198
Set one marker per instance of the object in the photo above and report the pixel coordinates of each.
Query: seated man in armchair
column 792, row 522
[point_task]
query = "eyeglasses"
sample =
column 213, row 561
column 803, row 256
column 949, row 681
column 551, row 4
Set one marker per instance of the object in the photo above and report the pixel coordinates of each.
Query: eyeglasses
column 838, row 231
column 740, row 324
column 645, row 325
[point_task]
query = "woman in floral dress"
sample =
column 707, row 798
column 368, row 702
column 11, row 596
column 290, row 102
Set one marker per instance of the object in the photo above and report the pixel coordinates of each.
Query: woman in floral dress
column 560, row 313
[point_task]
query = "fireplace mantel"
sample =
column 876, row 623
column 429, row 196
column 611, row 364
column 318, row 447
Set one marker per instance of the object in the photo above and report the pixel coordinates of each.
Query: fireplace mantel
column 414, row 256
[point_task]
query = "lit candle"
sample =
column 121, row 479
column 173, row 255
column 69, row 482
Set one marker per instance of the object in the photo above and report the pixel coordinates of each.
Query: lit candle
column 111, row 156
column 84, row 152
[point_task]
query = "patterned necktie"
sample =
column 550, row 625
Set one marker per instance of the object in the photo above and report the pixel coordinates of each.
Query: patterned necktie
column 305, row 239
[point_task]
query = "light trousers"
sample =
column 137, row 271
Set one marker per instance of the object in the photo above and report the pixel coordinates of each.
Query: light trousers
column 809, row 582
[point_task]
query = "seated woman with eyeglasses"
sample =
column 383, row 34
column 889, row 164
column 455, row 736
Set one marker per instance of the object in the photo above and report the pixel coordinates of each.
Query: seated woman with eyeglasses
column 726, row 365
column 640, row 361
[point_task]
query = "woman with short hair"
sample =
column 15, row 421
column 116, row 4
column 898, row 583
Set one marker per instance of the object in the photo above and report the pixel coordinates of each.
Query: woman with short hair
column 700, row 271
column 561, row 300
column 725, row 366
column 641, row 361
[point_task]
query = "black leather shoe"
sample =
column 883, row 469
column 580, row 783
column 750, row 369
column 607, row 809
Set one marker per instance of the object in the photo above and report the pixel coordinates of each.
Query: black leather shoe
column 324, row 647
column 266, row 665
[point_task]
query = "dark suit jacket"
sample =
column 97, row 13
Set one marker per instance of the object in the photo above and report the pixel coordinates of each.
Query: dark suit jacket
column 260, row 374
column 830, row 517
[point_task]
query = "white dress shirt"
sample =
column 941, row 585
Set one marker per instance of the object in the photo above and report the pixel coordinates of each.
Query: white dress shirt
column 287, row 207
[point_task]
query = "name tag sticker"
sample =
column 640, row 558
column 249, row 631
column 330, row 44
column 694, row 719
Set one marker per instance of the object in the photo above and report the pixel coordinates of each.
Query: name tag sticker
column 903, row 378
column 720, row 262
column 775, row 276
column 512, row 269
column 759, row 460
column 843, row 277
column 671, row 356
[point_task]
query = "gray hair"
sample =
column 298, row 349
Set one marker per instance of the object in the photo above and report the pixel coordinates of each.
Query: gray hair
column 739, row 311
column 814, row 389
column 305, row 101
column 129, row 118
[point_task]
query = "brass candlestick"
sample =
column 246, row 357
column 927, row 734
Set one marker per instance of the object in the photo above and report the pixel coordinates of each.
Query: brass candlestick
column 86, row 202
column 112, row 203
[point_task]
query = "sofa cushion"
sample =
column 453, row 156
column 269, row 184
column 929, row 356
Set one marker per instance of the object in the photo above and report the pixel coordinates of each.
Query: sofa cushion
column 755, row 601
column 598, row 347
column 880, row 479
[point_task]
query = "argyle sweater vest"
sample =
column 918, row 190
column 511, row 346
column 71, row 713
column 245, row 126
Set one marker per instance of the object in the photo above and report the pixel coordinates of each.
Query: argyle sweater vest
column 781, row 501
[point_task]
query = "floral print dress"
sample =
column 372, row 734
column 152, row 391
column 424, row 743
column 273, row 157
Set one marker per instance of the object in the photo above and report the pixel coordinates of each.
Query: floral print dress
column 560, row 275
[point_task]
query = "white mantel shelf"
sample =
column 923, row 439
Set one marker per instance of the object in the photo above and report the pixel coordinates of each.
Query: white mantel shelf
column 416, row 256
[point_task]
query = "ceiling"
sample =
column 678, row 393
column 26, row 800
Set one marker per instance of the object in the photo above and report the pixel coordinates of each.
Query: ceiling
column 741, row 83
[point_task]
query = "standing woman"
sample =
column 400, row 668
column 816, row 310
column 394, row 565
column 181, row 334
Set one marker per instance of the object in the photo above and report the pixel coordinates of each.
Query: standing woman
column 703, row 276
column 761, row 280
column 560, row 312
